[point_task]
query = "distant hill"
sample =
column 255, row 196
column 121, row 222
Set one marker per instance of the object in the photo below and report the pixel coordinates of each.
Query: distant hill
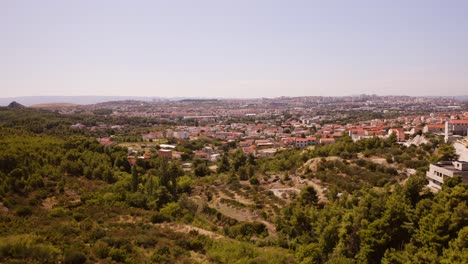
column 85, row 100
column 53, row 105
column 81, row 100
column 14, row 104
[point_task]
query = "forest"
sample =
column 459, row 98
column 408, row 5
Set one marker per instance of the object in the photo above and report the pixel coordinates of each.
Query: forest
column 66, row 198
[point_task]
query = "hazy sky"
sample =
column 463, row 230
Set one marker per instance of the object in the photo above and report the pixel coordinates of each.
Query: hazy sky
column 220, row 48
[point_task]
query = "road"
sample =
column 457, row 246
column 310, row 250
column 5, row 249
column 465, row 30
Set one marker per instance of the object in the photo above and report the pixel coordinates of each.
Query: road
column 461, row 151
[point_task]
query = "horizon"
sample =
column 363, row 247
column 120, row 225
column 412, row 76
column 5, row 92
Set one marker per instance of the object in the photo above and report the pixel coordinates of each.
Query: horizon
column 90, row 99
column 212, row 49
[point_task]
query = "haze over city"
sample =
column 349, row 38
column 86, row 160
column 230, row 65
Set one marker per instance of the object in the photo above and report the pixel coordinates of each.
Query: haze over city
column 241, row 49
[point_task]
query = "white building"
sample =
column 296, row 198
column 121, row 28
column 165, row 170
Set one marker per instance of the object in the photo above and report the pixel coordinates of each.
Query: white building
column 438, row 172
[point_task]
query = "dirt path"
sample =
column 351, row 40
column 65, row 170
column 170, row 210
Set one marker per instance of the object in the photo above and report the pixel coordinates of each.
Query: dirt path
column 237, row 197
column 187, row 228
column 245, row 215
column 283, row 192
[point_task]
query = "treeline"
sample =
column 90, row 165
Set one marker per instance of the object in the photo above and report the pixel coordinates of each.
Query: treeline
column 52, row 123
column 30, row 161
column 406, row 225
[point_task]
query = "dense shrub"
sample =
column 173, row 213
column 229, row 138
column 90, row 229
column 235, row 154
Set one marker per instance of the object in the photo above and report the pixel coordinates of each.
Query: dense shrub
column 23, row 211
column 74, row 257
column 26, row 247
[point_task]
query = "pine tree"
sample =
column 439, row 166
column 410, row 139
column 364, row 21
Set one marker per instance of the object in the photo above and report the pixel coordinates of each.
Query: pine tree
column 135, row 180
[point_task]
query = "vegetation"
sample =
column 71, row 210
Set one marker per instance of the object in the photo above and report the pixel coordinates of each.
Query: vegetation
column 67, row 198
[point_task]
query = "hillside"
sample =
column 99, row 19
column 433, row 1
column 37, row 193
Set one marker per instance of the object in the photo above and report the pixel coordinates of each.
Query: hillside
column 65, row 197
column 15, row 105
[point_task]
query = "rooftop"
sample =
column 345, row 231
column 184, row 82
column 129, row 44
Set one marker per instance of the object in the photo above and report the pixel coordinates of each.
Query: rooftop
column 453, row 165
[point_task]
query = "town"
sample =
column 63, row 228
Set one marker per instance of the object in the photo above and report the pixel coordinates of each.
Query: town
column 234, row 132
column 262, row 127
column 231, row 174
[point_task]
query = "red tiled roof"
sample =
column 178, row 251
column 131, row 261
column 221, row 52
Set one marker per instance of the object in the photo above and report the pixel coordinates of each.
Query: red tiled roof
column 463, row 121
column 436, row 125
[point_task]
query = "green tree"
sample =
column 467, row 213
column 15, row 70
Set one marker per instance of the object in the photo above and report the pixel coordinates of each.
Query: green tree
column 446, row 152
column 135, row 179
column 224, row 165
column 308, row 196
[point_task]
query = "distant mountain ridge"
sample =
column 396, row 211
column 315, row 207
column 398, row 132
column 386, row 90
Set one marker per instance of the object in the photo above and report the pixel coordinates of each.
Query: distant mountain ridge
column 14, row 104
column 90, row 99
column 81, row 100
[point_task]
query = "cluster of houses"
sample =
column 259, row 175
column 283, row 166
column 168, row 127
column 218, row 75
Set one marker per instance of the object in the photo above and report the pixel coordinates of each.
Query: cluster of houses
column 265, row 139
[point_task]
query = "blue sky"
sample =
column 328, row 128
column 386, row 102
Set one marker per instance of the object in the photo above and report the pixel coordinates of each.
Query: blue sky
column 239, row 48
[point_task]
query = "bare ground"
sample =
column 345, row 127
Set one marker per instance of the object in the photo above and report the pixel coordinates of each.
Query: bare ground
column 183, row 228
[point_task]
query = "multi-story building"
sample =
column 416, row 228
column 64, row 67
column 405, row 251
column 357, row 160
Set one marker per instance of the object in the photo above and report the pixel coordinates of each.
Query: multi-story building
column 438, row 172
column 458, row 127
column 304, row 142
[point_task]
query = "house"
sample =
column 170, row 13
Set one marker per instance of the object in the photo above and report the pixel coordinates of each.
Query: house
column 181, row 134
column 400, row 134
column 107, row 142
column 201, row 155
column 153, row 135
column 78, row 126
column 208, row 150
column 439, row 172
column 177, row 154
column 304, row 142
column 327, row 141
column 246, row 143
column 264, row 143
column 267, row 152
column 311, row 141
column 301, row 142
column 434, row 128
column 215, row 157
column 249, row 150
column 167, row 146
column 288, row 141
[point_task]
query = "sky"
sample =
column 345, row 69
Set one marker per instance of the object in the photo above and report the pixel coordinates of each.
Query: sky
column 233, row 49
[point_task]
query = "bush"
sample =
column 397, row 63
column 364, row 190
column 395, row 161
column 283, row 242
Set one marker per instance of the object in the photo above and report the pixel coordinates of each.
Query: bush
column 79, row 217
column 26, row 247
column 254, row 181
column 101, row 250
column 245, row 230
column 118, row 254
column 23, row 211
column 146, row 241
column 57, row 212
column 158, row 218
column 74, row 257
column 137, row 200
column 171, row 211
column 98, row 233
